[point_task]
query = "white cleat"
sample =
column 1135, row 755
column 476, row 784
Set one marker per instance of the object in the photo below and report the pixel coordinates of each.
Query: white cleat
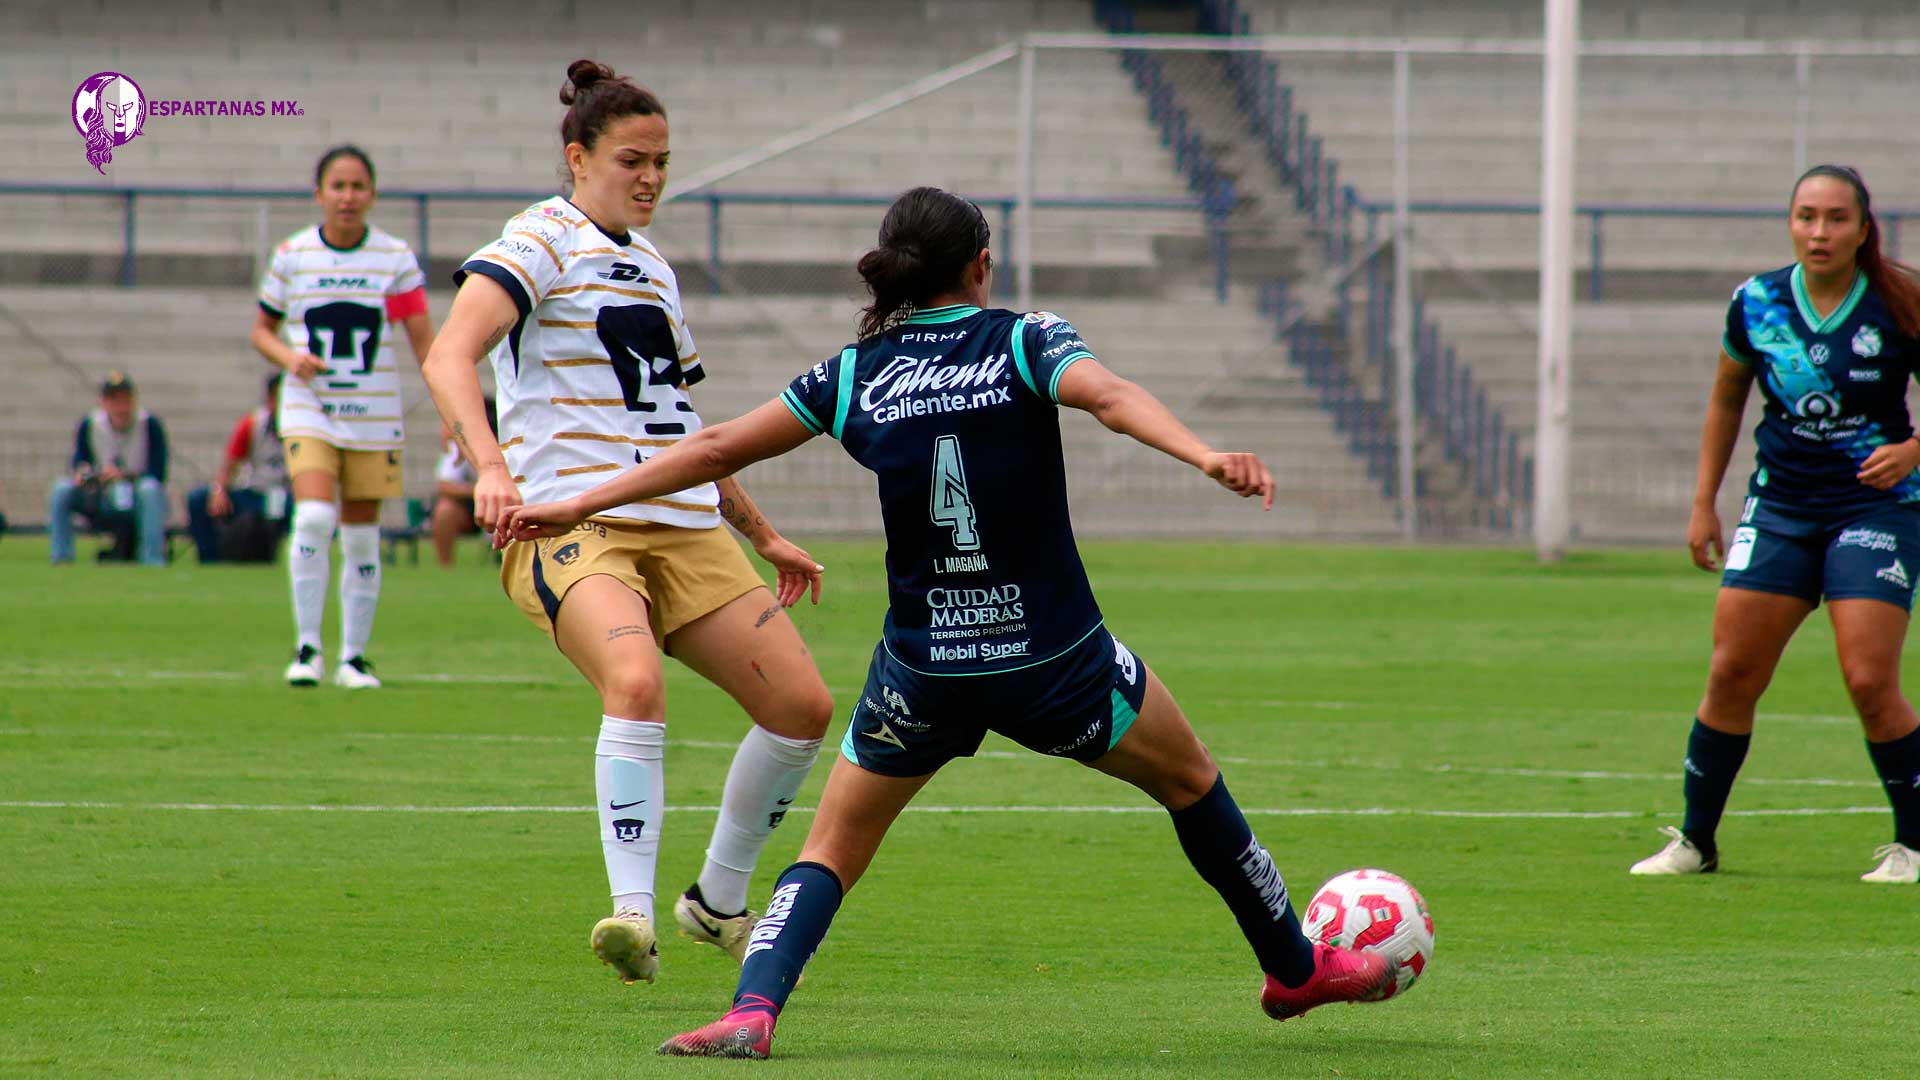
column 626, row 941
column 700, row 924
column 1678, row 857
column 356, row 674
column 305, row 669
column 1899, row 865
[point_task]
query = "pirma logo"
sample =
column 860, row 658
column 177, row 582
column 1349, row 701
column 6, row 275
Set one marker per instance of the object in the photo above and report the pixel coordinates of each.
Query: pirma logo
column 108, row 110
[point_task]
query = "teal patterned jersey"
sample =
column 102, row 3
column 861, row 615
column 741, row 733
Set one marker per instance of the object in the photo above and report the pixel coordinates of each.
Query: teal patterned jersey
column 1834, row 388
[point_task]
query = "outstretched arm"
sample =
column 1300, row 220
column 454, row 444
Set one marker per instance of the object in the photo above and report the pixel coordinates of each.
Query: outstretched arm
column 1127, row 408
column 707, row 455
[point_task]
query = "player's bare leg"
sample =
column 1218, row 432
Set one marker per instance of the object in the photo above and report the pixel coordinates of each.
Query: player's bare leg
column 1869, row 635
column 856, row 810
column 750, row 649
column 602, row 628
column 1161, row 755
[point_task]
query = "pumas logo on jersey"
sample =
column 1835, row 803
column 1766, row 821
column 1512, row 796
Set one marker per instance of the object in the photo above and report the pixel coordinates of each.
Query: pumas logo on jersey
column 568, row 555
column 1866, row 341
column 624, row 272
column 1895, row 574
column 1818, row 354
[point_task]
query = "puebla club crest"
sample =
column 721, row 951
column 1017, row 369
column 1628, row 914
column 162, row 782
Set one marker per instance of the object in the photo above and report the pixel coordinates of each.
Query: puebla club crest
column 1866, row 341
column 108, row 110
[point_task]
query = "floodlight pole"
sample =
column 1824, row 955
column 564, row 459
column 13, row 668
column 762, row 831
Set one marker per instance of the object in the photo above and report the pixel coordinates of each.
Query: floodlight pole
column 1552, row 441
column 1403, row 297
column 1023, row 166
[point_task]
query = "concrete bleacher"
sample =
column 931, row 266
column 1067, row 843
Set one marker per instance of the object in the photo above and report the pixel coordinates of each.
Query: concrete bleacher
column 477, row 108
column 187, row 349
column 1660, row 131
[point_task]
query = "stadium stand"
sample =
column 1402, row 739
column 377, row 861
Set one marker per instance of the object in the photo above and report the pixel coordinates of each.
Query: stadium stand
column 452, row 115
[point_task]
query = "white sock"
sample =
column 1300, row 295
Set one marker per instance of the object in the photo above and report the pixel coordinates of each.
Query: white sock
column 767, row 771
column 630, row 783
column 359, row 586
column 313, row 522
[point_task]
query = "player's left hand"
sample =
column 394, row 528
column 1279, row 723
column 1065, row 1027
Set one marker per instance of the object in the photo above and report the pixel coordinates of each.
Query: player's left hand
column 533, row 521
column 795, row 572
column 1243, row 474
column 1890, row 464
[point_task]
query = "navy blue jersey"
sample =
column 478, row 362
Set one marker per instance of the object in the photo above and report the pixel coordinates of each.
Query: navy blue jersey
column 1834, row 389
column 955, row 411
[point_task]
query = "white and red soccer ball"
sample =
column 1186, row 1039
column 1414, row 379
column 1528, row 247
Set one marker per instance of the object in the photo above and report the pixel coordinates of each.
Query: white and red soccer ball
column 1375, row 911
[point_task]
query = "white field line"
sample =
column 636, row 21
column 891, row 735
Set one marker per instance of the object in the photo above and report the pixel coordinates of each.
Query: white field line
column 29, row 676
column 1300, row 811
column 1435, row 769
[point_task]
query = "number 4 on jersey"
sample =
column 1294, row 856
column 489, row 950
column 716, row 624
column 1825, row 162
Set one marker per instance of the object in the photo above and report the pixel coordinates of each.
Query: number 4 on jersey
column 950, row 504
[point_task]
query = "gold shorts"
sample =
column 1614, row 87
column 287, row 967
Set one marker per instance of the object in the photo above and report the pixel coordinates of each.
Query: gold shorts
column 361, row 474
column 681, row 573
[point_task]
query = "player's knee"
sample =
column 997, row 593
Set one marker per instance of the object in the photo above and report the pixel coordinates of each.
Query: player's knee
column 1735, row 675
column 812, row 711
column 1875, row 691
column 634, row 695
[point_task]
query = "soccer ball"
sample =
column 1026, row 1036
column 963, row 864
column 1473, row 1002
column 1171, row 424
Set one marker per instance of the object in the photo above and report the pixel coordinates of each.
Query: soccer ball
column 1375, row 911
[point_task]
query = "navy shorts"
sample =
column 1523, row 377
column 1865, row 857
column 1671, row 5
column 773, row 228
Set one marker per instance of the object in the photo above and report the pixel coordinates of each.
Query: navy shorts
column 1864, row 555
column 1076, row 705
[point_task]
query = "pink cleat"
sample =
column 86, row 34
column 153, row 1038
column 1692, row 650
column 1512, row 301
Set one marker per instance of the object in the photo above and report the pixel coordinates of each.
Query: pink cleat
column 1338, row 975
column 746, row 1032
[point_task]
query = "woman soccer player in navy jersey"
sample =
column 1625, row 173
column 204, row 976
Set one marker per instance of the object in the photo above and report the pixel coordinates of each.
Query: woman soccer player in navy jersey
column 991, row 623
column 1833, row 509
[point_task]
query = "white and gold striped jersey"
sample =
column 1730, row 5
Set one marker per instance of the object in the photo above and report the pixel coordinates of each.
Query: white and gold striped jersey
column 345, row 306
column 594, row 377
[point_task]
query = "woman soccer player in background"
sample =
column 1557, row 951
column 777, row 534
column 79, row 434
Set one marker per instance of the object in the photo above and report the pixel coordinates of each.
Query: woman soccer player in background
column 332, row 297
column 592, row 361
column 1833, row 508
column 991, row 622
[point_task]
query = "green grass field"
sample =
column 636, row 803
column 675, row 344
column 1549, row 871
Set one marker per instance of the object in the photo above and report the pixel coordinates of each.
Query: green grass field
column 203, row 873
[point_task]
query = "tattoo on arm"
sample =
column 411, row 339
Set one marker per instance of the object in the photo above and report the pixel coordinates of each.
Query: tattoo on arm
column 499, row 334
column 629, row 630
column 766, row 616
column 460, row 436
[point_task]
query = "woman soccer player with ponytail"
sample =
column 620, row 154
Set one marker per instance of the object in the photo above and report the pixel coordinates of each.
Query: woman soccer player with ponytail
column 1833, row 509
column 337, row 291
column 592, row 361
column 991, row 622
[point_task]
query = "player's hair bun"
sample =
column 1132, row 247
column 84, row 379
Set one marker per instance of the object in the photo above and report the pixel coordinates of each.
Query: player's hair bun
column 582, row 74
column 926, row 239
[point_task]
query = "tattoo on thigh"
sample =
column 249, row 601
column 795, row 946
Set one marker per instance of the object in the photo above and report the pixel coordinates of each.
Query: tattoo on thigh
column 625, row 631
column 766, row 616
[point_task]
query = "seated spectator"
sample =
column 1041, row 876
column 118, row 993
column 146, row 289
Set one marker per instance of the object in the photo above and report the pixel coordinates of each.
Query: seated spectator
column 118, row 479
column 242, row 515
column 453, row 492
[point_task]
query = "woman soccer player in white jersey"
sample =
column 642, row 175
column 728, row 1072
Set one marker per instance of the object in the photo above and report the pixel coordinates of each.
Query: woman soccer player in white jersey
column 592, row 360
column 991, row 623
column 329, row 304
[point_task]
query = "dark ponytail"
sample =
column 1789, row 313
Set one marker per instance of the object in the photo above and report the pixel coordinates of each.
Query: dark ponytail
column 336, row 153
column 1897, row 283
column 926, row 241
column 595, row 97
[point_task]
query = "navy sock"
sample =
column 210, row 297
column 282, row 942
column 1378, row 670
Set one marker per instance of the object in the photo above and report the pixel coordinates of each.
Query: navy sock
column 1898, row 763
column 804, row 901
column 1713, row 760
column 1215, row 836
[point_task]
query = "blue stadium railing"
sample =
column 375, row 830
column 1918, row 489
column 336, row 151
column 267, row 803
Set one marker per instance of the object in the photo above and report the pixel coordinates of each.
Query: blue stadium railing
column 715, row 202
column 1596, row 216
